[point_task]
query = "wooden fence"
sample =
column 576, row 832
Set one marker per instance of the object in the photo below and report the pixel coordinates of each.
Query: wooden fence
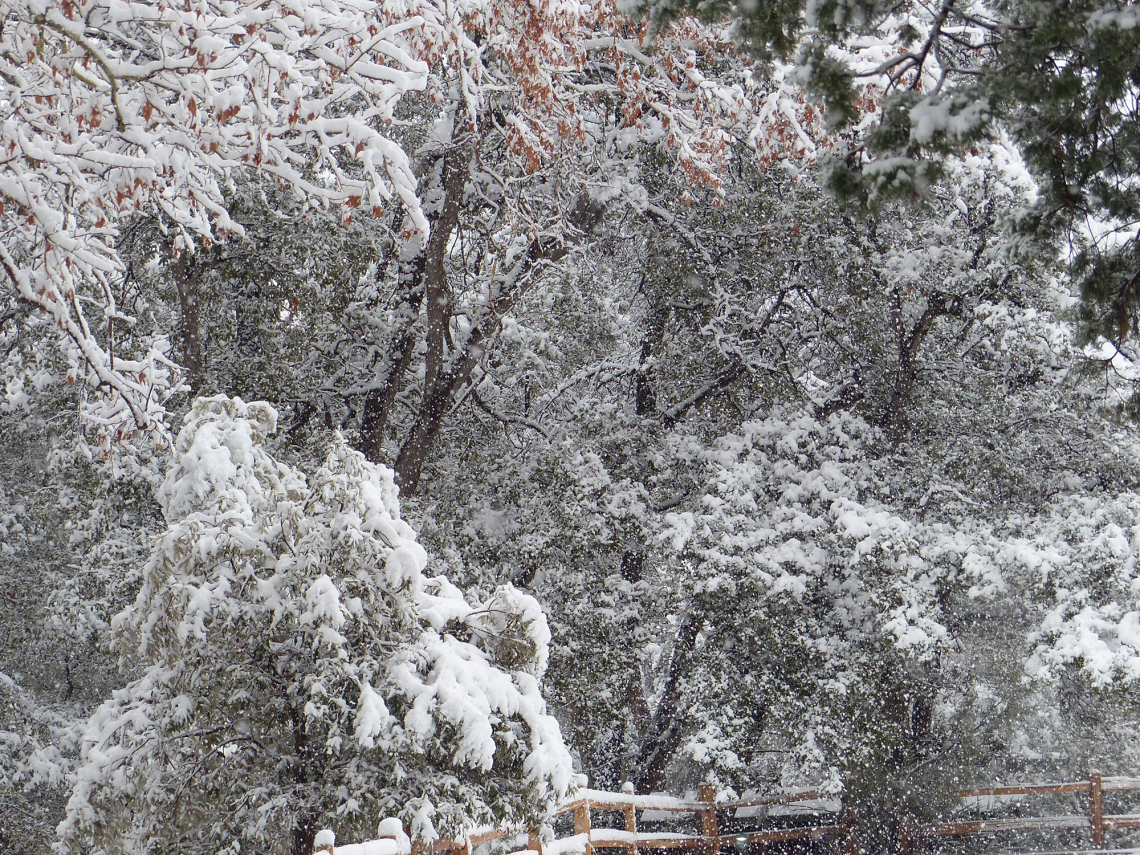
column 1096, row 820
column 586, row 837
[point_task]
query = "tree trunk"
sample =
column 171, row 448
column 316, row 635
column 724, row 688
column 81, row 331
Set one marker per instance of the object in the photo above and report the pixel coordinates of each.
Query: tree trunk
column 423, row 434
column 378, row 402
column 455, row 169
column 443, row 382
column 645, row 391
column 304, row 833
column 896, row 418
column 186, row 280
column 422, row 277
column 665, row 730
column 304, row 824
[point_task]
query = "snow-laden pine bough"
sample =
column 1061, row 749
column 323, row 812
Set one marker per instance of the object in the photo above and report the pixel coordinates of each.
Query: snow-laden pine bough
column 294, row 665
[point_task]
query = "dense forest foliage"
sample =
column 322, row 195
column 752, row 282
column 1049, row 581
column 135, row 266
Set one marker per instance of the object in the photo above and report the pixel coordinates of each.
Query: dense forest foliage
column 409, row 406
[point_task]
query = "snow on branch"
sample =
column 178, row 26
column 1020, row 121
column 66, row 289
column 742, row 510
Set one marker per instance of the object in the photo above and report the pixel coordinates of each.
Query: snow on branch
column 295, row 660
column 120, row 108
column 114, row 108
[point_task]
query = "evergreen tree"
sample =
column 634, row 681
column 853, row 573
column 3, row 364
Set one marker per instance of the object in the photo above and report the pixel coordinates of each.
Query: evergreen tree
column 297, row 670
column 906, row 84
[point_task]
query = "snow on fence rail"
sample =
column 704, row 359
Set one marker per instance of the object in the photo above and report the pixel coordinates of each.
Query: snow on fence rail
column 1097, row 821
column 586, row 838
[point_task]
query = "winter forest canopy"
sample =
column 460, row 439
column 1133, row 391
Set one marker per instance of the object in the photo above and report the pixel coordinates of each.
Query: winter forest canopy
column 411, row 405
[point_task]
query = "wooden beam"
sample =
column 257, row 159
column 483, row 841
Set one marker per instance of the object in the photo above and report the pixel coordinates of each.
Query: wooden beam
column 630, row 813
column 1026, row 790
column 782, row 834
column 1034, row 823
column 708, row 820
column 1096, row 808
column 810, row 795
column 582, row 823
column 1121, row 783
column 649, row 841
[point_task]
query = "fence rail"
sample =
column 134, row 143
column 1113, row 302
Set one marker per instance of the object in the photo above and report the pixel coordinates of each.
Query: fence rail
column 1097, row 822
column 586, row 838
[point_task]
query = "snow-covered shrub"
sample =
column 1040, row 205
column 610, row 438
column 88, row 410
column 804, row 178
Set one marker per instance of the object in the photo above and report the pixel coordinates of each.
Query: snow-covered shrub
column 299, row 670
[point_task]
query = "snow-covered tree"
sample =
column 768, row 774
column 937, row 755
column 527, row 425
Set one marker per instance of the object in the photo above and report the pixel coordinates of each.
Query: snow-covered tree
column 744, row 346
column 298, row 670
column 779, row 475
column 154, row 110
column 906, row 84
column 113, row 109
column 193, row 198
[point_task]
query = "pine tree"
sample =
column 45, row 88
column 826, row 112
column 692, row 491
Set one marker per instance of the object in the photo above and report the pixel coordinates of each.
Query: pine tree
column 297, row 669
column 907, row 84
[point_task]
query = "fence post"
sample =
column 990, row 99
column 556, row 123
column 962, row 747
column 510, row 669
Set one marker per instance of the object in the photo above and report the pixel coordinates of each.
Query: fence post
column 904, row 839
column 582, row 823
column 630, row 813
column 1096, row 806
column 708, row 820
column 851, row 838
column 534, row 843
column 388, row 829
column 324, row 842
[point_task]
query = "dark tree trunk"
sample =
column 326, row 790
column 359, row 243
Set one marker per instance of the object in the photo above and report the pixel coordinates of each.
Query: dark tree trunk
column 446, row 374
column 304, row 823
column 378, row 402
column 304, row 833
column 421, row 278
column 422, row 436
column 186, row 280
column 665, row 731
column 645, row 391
